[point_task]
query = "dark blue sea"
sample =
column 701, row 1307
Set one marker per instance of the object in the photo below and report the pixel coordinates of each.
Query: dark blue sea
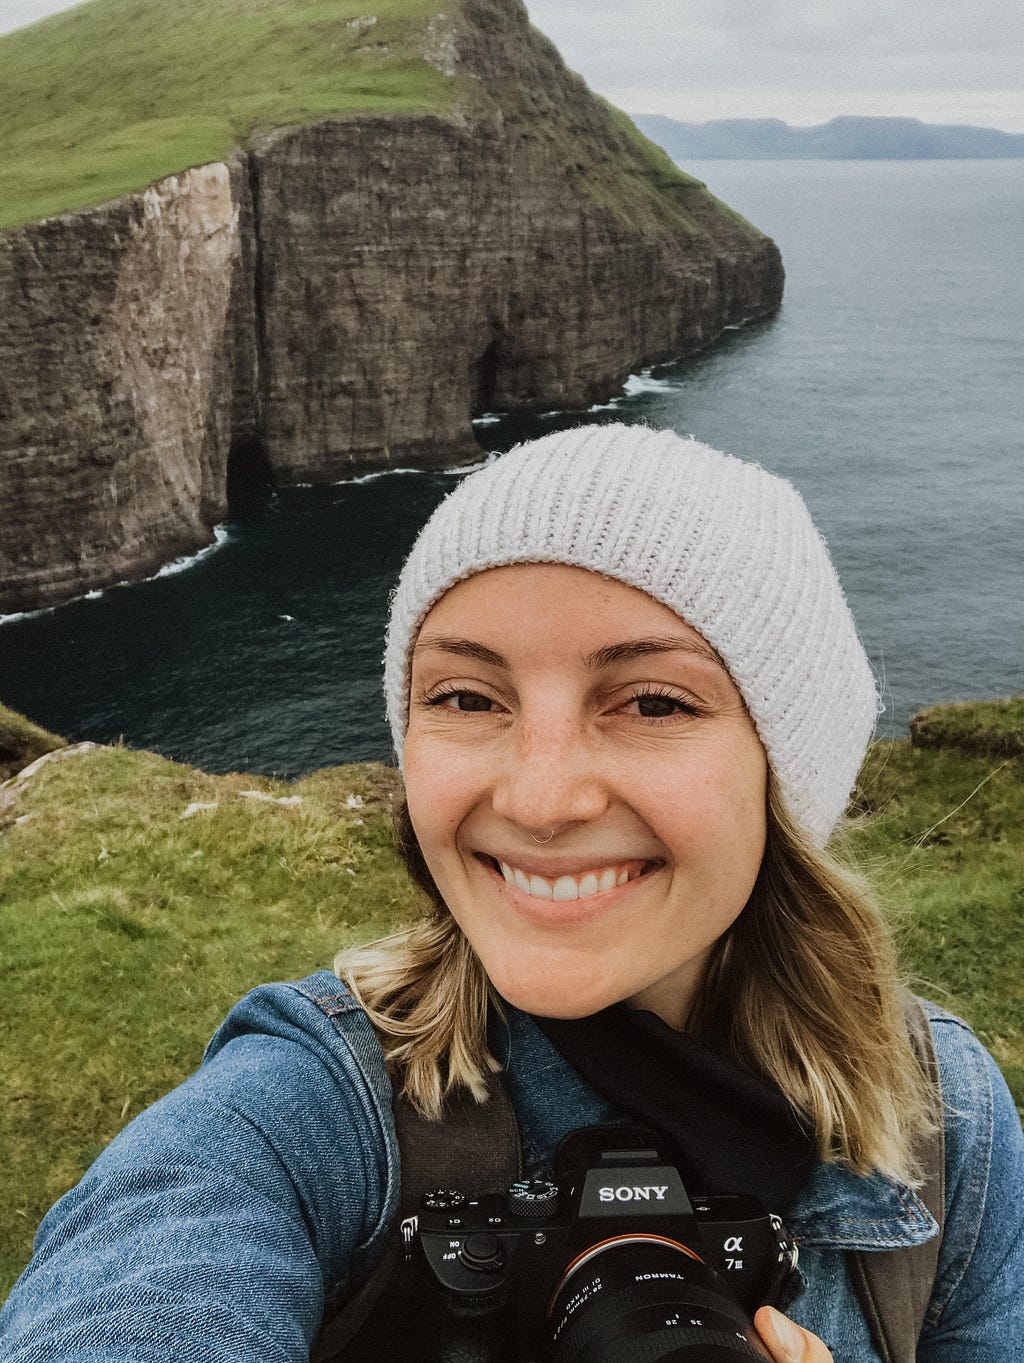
column 890, row 390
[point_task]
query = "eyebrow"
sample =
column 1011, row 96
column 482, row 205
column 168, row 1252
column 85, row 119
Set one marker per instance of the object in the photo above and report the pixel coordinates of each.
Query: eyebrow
column 601, row 657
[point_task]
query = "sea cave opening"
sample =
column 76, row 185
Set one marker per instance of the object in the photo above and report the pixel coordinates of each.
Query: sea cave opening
column 250, row 479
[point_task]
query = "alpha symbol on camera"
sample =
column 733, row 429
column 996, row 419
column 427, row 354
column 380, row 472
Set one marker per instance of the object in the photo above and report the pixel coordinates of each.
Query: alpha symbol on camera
column 734, row 1244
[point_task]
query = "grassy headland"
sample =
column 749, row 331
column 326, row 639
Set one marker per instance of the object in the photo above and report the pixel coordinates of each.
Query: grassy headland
column 112, row 94
column 140, row 898
column 21, row 742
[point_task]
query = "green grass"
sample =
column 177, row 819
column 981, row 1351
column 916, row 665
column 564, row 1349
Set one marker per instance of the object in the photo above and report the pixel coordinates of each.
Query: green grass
column 112, row 94
column 976, row 727
column 21, row 742
column 945, row 844
column 128, row 930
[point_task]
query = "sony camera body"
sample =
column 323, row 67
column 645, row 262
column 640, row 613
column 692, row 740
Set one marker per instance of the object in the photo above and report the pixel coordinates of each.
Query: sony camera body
column 613, row 1260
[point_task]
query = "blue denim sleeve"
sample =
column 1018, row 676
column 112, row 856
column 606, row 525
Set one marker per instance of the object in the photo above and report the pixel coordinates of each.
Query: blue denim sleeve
column 215, row 1225
column 977, row 1308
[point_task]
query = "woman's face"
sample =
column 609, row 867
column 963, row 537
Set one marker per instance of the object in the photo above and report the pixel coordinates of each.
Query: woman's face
column 547, row 699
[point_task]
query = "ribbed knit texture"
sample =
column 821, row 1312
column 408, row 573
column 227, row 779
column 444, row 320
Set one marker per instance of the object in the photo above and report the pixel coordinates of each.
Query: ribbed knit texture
column 727, row 545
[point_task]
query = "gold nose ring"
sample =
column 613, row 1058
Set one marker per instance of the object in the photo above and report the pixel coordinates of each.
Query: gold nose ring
column 547, row 839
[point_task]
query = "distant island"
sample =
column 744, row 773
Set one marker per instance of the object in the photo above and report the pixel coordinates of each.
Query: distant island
column 848, row 138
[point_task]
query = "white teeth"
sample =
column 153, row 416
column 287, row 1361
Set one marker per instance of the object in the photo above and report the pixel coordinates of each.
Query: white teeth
column 565, row 887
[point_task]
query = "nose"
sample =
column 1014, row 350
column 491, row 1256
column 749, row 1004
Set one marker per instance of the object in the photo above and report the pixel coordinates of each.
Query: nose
column 548, row 777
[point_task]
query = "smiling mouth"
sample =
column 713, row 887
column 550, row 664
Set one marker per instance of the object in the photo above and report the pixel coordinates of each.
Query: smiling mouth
column 565, row 887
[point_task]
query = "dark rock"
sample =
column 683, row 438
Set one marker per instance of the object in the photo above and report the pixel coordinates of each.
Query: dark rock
column 123, row 338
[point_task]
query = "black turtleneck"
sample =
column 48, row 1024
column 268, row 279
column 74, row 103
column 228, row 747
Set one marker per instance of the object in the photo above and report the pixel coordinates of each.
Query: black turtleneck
column 728, row 1130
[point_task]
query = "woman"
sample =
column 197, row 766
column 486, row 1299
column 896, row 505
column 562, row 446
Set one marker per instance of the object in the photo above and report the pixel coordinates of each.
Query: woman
column 631, row 704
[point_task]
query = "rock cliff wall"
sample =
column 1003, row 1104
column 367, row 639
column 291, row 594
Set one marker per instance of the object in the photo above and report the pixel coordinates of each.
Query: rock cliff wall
column 118, row 338
column 343, row 296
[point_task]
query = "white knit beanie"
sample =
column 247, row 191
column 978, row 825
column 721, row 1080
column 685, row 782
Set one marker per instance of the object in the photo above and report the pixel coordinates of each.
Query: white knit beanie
column 725, row 544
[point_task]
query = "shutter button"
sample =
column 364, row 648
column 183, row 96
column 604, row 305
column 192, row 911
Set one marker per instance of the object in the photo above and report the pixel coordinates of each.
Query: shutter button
column 481, row 1251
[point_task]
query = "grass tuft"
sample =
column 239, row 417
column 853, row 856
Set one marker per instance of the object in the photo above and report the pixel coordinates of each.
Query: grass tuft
column 990, row 728
column 21, row 742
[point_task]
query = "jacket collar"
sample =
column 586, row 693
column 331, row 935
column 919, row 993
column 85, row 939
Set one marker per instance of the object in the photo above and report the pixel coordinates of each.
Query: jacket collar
column 838, row 1208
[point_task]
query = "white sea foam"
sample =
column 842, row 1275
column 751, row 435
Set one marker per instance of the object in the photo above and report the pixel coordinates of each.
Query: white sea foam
column 178, row 565
column 488, row 419
column 635, row 386
column 644, row 382
column 369, row 477
column 460, row 469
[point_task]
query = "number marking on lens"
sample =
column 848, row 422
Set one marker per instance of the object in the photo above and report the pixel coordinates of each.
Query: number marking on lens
column 602, row 1245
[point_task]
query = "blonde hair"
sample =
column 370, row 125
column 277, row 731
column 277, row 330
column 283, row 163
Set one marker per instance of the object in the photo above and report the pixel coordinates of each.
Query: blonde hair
column 803, row 989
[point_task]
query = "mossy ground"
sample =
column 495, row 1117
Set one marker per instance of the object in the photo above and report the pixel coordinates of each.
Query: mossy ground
column 993, row 728
column 128, row 929
column 112, row 94
column 21, row 742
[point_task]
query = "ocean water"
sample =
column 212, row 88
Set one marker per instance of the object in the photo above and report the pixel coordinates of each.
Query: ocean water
column 890, row 390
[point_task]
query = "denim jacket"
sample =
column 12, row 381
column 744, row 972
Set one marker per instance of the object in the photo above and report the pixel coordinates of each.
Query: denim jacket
column 216, row 1225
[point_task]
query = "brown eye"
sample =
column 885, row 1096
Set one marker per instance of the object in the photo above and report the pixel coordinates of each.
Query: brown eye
column 660, row 705
column 657, row 707
column 470, row 701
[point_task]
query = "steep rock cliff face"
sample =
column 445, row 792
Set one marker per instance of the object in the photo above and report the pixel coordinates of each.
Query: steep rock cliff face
column 117, row 374
column 343, row 296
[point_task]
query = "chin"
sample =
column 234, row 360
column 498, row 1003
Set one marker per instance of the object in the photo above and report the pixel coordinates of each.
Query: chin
column 551, row 998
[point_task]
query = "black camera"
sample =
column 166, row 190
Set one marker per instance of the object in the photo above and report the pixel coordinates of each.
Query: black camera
column 613, row 1262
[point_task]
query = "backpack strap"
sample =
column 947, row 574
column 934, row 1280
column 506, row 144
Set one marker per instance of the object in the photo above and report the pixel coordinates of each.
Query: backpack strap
column 473, row 1146
column 894, row 1286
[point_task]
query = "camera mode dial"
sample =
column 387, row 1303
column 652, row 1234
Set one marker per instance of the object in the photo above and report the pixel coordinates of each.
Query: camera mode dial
column 443, row 1199
column 533, row 1197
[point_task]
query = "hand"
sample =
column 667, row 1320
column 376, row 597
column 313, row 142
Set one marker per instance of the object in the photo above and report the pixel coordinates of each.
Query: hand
column 788, row 1342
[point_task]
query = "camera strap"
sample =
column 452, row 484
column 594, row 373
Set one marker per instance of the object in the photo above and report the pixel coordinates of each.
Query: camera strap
column 894, row 1287
column 474, row 1145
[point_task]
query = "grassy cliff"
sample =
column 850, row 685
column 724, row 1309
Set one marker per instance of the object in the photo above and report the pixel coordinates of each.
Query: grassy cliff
column 106, row 97
column 21, row 742
column 142, row 897
column 112, row 94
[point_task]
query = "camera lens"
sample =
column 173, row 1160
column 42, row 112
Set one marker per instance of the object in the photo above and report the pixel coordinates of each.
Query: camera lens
column 647, row 1299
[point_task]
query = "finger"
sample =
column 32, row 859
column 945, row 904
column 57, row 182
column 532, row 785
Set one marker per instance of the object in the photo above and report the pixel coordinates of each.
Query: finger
column 788, row 1342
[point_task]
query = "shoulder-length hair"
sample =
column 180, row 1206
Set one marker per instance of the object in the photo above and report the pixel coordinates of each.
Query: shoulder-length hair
column 803, row 989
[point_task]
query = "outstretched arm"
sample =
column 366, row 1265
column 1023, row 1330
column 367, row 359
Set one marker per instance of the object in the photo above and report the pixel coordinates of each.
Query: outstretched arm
column 214, row 1226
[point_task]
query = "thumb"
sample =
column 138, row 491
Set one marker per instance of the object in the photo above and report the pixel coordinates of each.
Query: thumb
column 788, row 1342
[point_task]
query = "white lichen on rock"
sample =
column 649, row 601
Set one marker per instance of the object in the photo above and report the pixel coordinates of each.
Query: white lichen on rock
column 441, row 49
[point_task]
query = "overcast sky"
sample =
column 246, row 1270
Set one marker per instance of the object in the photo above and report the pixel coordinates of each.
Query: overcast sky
column 944, row 61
